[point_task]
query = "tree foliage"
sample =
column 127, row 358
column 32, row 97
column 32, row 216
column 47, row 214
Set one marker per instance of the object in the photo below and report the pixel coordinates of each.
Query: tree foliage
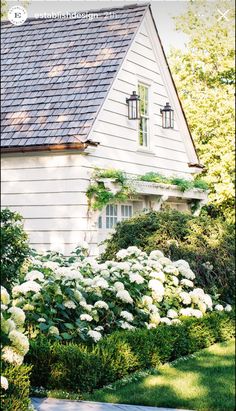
column 204, row 76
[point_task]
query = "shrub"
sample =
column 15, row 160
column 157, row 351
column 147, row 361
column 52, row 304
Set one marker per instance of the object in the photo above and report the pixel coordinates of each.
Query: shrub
column 16, row 398
column 14, row 246
column 207, row 244
column 77, row 299
column 114, row 357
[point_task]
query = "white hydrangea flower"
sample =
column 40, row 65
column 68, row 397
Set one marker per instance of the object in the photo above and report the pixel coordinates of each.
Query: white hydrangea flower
column 99, row 328
column 69, row 304
column 88, row 282
column 197, row 295
column 158, row 275
column 219, row 307
column 26, row 287
column 172, row 314
column 53, row 330
column 180, row 263
column 78, row 296
column 41, row 320
column 157, row 287
column 86, row 317
column 136, row 278
column 171, row 269
column 20, row 341
column 186, row 312
column 124, row 266
column 95, row 335
column 126, row 326
column 124, row 296
column 87, row 307
column 101, row 304
column 165, row 320
column 83, row 245
column 187, row 283
column 127, row 316
column 5, row 297
column 121, row 254
column 50, row 264
column 99, row 282
column 11, row 356
column 28, row 307
column 4, row 383
column 202, row 307
column 175, row 280
column 208, row 301
column 3, row 307
column 34, row 275
column 150, row 326
column 7, row 325
column 186, row 272
column 153, row 308
column 197, row 313
column 155, row 318
column 156, row 254
column 228, row 308
column 119, row 286
column 17, row 315
column 185, row 297
column 147, row 300
column 133, row 250
column 165, row 261
column 175, row 321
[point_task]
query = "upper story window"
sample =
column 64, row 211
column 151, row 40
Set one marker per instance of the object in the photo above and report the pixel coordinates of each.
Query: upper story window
column 126, row 212
column 143, row 92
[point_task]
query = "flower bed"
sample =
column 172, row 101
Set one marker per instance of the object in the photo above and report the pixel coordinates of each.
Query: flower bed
column 79, row 299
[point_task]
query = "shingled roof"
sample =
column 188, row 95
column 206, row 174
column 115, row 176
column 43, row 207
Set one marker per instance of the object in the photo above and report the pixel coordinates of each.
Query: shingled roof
column 56, row 74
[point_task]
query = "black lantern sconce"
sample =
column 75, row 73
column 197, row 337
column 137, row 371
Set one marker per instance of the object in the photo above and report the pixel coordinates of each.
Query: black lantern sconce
column 133, row 106
column 167, row 116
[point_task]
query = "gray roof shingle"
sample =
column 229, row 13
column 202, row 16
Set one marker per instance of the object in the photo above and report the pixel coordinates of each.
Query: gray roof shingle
column 56, row 74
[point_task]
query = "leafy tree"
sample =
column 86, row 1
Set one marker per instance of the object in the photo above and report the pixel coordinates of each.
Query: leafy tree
column 14, row 246
column 204, row 76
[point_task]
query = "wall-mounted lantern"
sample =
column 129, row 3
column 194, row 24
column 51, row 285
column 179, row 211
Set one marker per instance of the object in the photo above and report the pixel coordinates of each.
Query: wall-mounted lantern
column 133, row 106
column 167, row 116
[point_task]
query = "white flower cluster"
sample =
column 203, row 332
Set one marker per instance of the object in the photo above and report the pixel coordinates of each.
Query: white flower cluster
column 12, row 322
column 137, row 290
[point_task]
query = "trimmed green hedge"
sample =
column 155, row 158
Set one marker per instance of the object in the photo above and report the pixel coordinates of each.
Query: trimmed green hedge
column 207, row 244
column 81, row 368
column 16, row 397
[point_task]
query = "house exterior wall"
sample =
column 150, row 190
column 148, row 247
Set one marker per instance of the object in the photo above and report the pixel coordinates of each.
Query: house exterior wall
column 49, row 189
column 118, row 136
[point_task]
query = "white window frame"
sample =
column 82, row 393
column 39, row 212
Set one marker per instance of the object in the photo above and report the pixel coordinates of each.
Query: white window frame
column 145, row 116
column 149, row 148
column 102, row 218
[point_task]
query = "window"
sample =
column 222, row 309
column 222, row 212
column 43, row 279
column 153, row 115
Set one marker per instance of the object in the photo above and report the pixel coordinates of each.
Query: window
column 114, row 213
column 126, row 212
column 111, row 215
column 144, row 115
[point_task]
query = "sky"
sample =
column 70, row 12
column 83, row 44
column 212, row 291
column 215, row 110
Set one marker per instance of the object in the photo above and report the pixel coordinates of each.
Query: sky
column 163, row 12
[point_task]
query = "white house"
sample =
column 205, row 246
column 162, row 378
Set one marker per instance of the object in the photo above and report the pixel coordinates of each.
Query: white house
column 65, row 88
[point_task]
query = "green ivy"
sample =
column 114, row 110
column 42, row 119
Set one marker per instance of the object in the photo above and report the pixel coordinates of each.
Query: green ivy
column 99, row 196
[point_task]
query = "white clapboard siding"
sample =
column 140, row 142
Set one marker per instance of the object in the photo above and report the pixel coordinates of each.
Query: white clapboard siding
column 52, row 211
column 60, row 237
column 56, row 224
column 45, row 186
column 43, row 173
column 42, row 199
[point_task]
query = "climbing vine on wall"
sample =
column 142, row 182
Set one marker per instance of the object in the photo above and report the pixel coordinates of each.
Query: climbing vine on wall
column 113, row 186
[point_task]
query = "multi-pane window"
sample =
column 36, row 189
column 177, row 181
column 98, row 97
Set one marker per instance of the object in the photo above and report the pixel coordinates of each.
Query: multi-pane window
column 111, row 215
column 126, row 212
column 144, row 115
column 114, row 213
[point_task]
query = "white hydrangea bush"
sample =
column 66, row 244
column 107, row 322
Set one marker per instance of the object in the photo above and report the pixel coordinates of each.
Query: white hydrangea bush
column 81, row 299
column 14, row 342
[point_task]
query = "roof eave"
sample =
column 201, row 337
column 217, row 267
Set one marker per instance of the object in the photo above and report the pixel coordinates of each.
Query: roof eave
column 52, row 147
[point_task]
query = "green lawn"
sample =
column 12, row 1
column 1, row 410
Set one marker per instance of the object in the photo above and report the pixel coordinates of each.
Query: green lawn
column 205, row 381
